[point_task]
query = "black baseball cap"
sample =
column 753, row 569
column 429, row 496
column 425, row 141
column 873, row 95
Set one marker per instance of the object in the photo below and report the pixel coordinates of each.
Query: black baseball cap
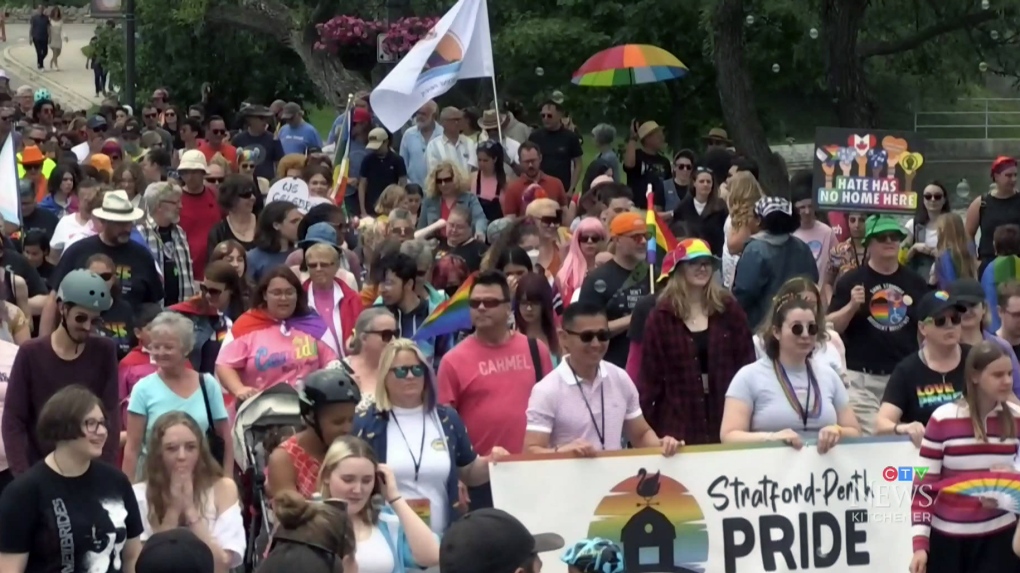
column 490, row 541
column 967, row 291
column 95, row 122
column 175, row 551
column 935, row 303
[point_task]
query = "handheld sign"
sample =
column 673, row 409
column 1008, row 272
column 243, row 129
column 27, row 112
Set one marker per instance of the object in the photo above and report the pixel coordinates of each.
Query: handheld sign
column 293, row 190
column 867, row 170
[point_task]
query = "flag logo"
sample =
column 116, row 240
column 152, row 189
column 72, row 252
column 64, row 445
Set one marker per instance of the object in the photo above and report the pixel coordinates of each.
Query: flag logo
column 445, row 60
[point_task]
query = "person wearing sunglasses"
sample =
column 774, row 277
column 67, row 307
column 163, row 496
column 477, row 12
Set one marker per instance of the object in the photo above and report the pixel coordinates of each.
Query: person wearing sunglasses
column 974, row 322
column 427, row 448
column 330, row 289
column 167, row 242
column 447, row 187
column 787, row 396
column 926, row 379
column 70, row 354
column 207, row 310
column 567, row 409
column 236, row 198
column 311, row 537
column 678, row 187
column 217, row 141
column 374, row 329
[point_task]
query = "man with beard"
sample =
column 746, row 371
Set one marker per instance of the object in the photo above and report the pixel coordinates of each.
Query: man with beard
column 68, row 355
column 135, row 268
column 167, row 242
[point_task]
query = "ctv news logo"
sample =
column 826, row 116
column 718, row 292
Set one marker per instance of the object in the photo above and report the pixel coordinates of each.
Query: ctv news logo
column 904, row 473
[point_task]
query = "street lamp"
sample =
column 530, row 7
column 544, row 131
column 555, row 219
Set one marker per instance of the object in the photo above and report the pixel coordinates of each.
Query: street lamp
column 963, row 189
column 130, row 54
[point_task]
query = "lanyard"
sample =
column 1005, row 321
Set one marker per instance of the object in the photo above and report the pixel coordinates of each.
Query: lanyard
column 602, row 398
column 421, row 449
column 805, row 410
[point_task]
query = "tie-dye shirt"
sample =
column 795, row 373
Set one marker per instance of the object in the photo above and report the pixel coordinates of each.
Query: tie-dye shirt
column 273, row 355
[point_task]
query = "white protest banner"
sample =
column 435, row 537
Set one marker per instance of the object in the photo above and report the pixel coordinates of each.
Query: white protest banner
column 723, row 509
column 291, row 189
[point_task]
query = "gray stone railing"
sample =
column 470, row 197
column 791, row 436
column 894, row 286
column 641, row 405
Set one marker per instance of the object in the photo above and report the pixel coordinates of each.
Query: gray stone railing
column 73, row 15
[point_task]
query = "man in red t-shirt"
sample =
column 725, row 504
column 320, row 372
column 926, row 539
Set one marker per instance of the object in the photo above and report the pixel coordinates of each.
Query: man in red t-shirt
column 199, row 210
column 514, row 202
column 215, row 142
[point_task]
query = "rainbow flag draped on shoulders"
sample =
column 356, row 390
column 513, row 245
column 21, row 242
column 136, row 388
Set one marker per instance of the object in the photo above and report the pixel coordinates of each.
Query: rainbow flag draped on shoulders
column 660, row 238
column 450, row 317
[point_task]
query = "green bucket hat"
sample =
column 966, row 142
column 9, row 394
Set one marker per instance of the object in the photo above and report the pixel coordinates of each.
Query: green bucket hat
column 880, row 224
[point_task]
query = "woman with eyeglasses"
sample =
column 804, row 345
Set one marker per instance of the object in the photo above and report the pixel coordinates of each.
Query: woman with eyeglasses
column 118, row 322
column 207, row 310
column 391, row 536
column 533, row 312
column 787, row 395
column 246, row 164
column 922, row 240
column 695, row 340
column 90, row 504
column 237, row 199
column 374, row 329
column 490, row 180
column 703, row 212
column 184, row 486
column 460, row 241
column 930, row 377
column 424, row 444
column 216, row 171
column 446, row 187
column 546, row 216
column 278, row 341
column 974, row 321
column 310, row 537
column 175, row 386
column 328, row 401
column 679, row 187
column 588, row 240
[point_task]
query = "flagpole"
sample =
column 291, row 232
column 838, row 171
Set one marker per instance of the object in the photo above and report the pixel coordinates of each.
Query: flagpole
column 350, row 123
column 495, row 104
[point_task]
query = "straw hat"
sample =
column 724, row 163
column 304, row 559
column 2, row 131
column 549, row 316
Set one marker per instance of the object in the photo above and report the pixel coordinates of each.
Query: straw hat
column 717, row 135
column 491, row 119
column 118, row 208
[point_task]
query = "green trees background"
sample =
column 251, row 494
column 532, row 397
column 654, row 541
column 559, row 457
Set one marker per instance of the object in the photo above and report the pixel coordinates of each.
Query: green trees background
column 768, row 70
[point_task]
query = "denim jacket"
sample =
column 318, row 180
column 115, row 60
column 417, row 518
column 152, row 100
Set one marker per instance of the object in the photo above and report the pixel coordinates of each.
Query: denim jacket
column 370, row 425
column 432, row 211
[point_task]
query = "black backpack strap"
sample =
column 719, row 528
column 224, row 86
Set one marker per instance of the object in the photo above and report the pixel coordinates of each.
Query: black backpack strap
column 536, row 359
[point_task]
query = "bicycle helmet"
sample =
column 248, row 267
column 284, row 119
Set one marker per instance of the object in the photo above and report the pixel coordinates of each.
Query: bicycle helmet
column 595, row 555
column 86, row 289
column 41, row 94
column 327, row 386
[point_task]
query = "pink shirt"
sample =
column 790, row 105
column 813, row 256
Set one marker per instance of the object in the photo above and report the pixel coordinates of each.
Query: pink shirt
column 323, row 300
column 490, row 386
column 269, row 357
column 557, row 406
column 820, row 238
column 7, row 353
column 487, row 187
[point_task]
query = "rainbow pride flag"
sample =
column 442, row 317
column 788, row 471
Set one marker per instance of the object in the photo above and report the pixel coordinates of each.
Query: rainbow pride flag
column 341, row 160
column 450, row 317
column 660, row 238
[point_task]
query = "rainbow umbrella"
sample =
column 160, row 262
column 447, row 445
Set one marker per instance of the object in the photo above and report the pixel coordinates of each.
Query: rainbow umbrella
column 629, row 65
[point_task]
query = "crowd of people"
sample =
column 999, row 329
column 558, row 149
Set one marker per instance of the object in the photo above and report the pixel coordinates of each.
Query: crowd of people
column 151, row 292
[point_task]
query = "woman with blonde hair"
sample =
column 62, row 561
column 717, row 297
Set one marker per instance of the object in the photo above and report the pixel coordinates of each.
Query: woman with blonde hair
column 310, row 537
column 554, row 239
column 744, row 192
column 446, row 186
column 217, row 170
column 830, row 350
column 392, row 197
column 406, row 412
column 375, row 328
column 955, row 255
column 185, row 487
column 391, row 536
column 682, row 383
column 291, row 165
column 588, row 240
column 973, row 435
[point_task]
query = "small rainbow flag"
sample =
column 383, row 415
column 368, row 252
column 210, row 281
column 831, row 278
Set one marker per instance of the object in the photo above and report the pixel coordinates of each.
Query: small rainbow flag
column 450, row 317
column 660, row 238
column 341, row 159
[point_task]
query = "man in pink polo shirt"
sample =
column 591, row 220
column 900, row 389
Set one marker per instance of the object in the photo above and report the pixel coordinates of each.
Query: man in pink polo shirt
column 586, row 405
column 488, row 377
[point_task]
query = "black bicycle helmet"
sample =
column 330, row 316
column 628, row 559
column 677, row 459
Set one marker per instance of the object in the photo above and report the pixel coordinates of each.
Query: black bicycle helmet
column 327, row 386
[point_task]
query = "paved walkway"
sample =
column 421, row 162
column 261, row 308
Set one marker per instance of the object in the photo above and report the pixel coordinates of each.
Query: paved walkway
column 72, row 85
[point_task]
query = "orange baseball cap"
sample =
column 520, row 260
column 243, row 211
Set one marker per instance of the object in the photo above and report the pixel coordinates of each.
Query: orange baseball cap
column 627, row 223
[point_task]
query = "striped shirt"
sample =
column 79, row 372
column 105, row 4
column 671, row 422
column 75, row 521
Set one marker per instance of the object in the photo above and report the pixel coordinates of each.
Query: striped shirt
column 950, row 450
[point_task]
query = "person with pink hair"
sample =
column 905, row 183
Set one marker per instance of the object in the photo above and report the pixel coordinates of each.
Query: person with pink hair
column 589, row 240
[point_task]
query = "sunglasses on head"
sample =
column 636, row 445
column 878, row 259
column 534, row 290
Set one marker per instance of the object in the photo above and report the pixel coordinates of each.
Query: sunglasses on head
column 404, row 372
column 486, row 302
column 932, row 196
column 593, row 238
column 588, row 335
column 210, row 291
column 385, row 335
column 941, row 321
column 799, row 328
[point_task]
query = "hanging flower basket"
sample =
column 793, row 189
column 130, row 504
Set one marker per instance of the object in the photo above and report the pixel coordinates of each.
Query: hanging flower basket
column 403, row 34
column 353, row 40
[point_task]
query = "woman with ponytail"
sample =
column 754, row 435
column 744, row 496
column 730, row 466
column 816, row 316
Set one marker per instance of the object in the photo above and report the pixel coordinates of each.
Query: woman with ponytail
column 311, row 536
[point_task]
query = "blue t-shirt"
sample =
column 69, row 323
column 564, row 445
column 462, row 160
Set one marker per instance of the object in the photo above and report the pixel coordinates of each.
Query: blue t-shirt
column 152, row 398
column 299, row 139
column 259, row 262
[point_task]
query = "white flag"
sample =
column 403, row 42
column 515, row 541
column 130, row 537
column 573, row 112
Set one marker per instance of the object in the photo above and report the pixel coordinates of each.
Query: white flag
column 459, row 46
column 10, row 202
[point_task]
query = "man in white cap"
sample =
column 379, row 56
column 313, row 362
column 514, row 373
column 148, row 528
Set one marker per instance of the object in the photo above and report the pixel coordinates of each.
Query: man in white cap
column 136, row 274
column 199, row 210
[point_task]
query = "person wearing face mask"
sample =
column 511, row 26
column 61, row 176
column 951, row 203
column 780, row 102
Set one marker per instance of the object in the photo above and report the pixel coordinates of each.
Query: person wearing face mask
column 140, row 282
column 167, row 241
column 51, row 362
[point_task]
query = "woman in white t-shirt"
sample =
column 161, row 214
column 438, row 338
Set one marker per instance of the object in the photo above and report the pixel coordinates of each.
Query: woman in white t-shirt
column 830, row 349
column 185, row 487
column 76, row 226
column 923, row 235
